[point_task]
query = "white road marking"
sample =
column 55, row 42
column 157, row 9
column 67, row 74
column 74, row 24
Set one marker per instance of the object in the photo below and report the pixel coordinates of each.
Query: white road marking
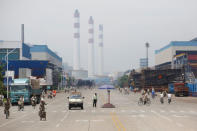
column 97, row 120
column 133, row 111
column 64, row 111
column 102, row 111
column 58, row 125
column 172, row 111
column 54, row 111
column 83, row 111
column 27, row 121
column 179, row 124
column 81, row 120
column 164, row 117
column 93, row 111
column 113, row 111
column 192, row 112
column 133, row 115
column 141, row 115
column 162, row 111
column 122, row 110
column 4, row 124
column 65, row 117
column 142, row 111
column 182, row 111
column 179, row 116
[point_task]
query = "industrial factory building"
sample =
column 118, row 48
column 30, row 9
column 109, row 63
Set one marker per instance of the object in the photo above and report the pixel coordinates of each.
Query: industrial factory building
column 21, row 51
column 42, row 52
column 165, row 57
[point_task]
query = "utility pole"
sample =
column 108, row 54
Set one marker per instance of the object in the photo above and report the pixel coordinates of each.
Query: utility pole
column 147, row 46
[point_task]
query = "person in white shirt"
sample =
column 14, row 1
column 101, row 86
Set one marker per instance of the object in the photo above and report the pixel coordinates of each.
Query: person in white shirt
column 161, row 98
column 169, row 98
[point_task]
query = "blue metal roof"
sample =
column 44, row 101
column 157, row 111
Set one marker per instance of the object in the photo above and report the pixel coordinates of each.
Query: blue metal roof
column 44, row 48
column 177, row 43
column 38, row 67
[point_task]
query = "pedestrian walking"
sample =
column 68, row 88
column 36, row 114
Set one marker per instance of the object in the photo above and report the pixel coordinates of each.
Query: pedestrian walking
column 161, row 98
column 169, row 98
column 94, row 100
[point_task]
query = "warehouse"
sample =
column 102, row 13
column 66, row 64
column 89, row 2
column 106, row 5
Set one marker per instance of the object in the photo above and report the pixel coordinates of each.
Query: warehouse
column 42, row 52
column 164, row 57
column 21, row 51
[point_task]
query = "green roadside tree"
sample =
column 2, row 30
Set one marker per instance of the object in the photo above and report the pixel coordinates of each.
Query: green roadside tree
column 123, row 81
column 2, row 87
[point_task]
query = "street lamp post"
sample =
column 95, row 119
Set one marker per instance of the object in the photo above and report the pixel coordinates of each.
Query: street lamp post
column 7, row 67
column 147, row 46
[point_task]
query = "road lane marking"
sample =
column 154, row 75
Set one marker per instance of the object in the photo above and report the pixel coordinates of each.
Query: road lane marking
column 81, row 120
column 4, row 124
column 142, row 111
column 179, row 124
column 179, row 116
column 119, row 122
column 133, row 111
column 141, row 115
column 97, row 120
column 54, row 111
column 115, row 122
column 58, row 125
column 122, row 110
column 182, row 111
column 27, row 121
column 164, row 117
column 172, row 111
column 162, row 111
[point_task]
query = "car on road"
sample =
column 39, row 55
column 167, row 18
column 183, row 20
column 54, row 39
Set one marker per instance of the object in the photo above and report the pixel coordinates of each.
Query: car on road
column 75, row 100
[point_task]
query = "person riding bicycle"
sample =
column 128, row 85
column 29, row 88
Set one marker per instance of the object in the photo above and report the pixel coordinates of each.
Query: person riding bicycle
column 42, row 104
column 145, row 98
column 21, row 103
column 7, row 106
column 33, row 100
column 153, row 93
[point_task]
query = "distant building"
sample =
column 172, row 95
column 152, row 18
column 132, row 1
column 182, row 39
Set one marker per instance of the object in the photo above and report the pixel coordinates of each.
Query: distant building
column 165, row 56
column 21, row 50
column 143, row 63
column 80, row 74
column 42, row 52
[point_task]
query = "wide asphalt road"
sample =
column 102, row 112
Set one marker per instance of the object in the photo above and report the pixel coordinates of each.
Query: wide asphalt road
column 180, row 115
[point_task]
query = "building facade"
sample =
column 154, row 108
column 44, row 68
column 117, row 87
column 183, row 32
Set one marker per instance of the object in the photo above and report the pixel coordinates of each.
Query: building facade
column 20, row 51
column 143, row 62
column 42, row 52
column 164, row 57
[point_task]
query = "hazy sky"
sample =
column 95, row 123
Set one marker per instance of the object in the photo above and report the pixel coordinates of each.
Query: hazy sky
column 128, row 25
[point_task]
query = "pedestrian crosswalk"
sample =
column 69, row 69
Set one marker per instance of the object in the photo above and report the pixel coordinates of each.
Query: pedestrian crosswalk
column 112, row 110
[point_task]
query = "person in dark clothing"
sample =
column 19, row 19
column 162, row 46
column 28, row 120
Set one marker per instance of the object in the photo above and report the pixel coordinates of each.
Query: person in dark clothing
column 94, row 100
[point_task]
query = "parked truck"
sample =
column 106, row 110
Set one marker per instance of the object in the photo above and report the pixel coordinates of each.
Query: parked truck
column 26, row 87
column 180, row 89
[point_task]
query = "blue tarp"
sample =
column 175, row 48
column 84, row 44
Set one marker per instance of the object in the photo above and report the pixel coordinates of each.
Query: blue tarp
column 192, row 87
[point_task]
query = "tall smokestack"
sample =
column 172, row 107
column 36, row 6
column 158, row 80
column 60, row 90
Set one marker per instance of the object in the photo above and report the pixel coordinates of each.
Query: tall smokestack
column 91, row 48
column 76, row 51
column 22, row 33
column 100, row 51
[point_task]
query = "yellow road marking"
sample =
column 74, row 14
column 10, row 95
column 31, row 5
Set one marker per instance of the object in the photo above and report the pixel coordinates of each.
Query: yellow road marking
column 120, row 123
column 115, row 122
